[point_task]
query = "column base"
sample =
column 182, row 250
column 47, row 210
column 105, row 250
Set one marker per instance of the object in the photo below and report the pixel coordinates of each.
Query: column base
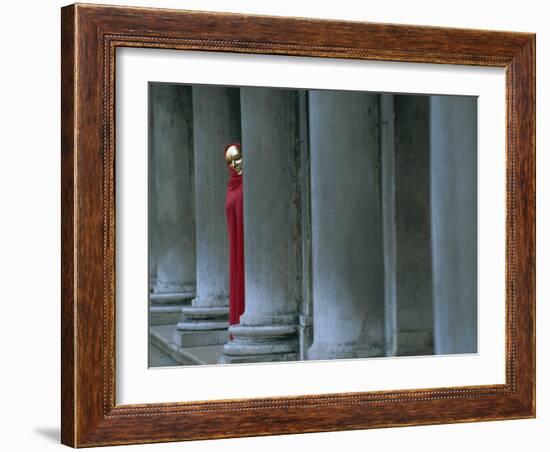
column 199, row 338
column 348, row 351
column 171, row 297
column 228, row 359
column 264, row 343
column 161, row 287
column 165, row 308
column 305, row 335
column 414, row 343
column 202, row 326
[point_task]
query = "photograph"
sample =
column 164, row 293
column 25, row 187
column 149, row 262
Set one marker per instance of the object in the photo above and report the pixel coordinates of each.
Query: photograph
column 293, row 224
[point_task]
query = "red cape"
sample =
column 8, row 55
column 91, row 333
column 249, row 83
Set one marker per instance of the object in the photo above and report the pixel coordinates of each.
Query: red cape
column 235, row 232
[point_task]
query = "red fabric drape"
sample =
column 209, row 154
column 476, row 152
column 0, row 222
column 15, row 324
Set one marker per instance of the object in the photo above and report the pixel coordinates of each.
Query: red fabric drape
column 235, row 232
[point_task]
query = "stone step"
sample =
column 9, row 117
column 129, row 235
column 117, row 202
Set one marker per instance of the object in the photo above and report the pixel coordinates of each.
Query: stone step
column 164, row 315
column 163, row 336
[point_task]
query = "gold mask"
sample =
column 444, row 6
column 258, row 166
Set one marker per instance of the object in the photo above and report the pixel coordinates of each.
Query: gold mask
column 234, row 158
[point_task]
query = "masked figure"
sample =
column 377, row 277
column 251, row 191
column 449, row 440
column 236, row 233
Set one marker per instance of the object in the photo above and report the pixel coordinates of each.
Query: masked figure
column 235, row 231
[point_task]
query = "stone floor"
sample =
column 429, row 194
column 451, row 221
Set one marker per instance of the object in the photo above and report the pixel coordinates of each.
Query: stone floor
column 157, row 358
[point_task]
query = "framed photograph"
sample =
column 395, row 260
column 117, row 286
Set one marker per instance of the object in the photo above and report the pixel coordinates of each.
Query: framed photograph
column 282, row 225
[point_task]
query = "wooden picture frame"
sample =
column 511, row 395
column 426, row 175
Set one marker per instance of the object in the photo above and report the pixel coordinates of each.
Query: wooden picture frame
column 90, row 35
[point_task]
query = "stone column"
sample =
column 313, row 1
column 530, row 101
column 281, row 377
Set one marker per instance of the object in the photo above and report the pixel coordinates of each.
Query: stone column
column 306, row 306
column 453, row 135
column 172, row 147
column 268, row 327
column 347, row 257
column 413, row 260
column 387, row 148
column 152, row 199
column 217, row 122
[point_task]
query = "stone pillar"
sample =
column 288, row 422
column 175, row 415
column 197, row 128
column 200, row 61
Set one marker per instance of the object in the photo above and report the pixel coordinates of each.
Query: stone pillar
column 306, row 306
column 268, row 327
column 347, row 255
column 152, row 199
column 413, row 260
column 387, row 145
column 217, row 122
column 172, row 148
column 453, row 135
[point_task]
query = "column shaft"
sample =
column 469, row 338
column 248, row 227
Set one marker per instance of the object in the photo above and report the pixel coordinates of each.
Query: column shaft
column 152, row 199
column 454, row 222
column 387, row 145
column 216, row 122
column 171, row 145
column 413, row 260
column 347, row 259
column 267, row 329
column 306, row 306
